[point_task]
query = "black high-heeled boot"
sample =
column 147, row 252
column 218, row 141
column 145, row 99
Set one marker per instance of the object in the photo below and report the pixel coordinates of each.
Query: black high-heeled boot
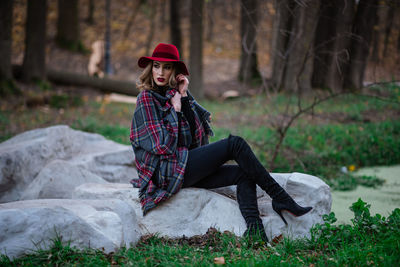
column 285, row 202
column 249, row 163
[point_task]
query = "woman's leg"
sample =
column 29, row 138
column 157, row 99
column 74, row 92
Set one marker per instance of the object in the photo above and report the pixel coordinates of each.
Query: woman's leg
column 205, row 169
column 205, row 160
column 246, row 196
column 245, row 191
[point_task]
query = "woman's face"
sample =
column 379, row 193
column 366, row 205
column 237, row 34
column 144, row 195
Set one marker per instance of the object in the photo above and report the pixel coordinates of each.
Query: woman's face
column 162, row 72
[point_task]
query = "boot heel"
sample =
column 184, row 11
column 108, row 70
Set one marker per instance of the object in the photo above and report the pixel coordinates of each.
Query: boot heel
column 283, row 218
column 290, row 206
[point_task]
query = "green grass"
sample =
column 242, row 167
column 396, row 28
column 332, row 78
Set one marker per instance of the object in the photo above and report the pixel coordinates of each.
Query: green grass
column 117, row 133
column 368, row 240
column 347, row 131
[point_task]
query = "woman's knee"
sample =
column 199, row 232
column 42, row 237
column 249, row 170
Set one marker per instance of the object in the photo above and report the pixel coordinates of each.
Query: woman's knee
column 236, row 139
column 236, row 142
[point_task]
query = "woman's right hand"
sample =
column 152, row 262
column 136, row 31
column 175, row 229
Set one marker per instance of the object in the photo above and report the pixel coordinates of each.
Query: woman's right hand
column 176, row 101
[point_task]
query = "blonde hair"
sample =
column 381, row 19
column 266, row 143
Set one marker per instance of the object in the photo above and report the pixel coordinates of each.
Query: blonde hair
column 146, row 81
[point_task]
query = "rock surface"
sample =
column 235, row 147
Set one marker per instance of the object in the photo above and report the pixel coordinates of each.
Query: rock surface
column 58, row 179
column 192, row 211
column 24, row 156
column 32, row 224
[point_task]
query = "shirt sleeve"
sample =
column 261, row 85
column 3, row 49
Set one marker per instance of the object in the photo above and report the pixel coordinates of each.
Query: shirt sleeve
column 188, row 112
column 184, row 136
column 151, row 132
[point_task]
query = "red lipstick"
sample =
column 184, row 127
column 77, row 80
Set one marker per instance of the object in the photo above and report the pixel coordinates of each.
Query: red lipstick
column 160, row 79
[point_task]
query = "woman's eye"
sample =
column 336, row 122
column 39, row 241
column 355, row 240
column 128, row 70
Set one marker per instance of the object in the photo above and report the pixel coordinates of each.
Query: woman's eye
column 168, row 67
column 156, row 66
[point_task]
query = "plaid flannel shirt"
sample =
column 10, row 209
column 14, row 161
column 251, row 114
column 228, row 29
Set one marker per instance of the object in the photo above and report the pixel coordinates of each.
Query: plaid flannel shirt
column 161, row 145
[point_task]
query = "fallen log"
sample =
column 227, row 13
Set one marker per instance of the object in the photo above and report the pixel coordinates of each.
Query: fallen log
column 105, row 85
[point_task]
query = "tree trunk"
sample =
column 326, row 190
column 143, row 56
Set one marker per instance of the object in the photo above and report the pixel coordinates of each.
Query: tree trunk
column 196, row 48
column 398, row 43
column 359, row 49
column 152, row 18
column 131, row 20
column 324, row 41
column 68, row 25
column 388, row 27
column 340, row 49
column 6, row 13
column 248, row 71
column 298, row 72
column 103, row 84
column 378, row 32
column 162, row 18
column 89, row 19
column 34, row 65
column 175, row 25
column 210, row 19
column 280, row 39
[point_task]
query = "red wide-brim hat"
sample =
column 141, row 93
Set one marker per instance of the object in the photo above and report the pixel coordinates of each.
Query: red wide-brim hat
column 165, row 53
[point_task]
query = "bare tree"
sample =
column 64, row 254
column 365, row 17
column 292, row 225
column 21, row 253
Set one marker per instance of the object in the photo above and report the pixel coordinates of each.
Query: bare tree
column 389, row 24
column 175, row 25
column 359, row 49
column 324, row 41
column 331, row 43
column 248, row 71
column 281, row 35
column 131, row 20
column 152, row 17
column 211, row 6
column 163, row 17
column 89, row 18
column 34, row 65
column 196, row 48
column 338, row 62
column 6, row 13
column 378, row 31
column 68, row 35
column 299, row 62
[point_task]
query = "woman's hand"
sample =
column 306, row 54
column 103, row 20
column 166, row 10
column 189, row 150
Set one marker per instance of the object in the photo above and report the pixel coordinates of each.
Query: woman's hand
column 176, row 102
column 183, row 83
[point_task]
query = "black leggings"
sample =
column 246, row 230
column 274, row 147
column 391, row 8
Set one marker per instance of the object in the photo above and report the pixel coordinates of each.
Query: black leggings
column 205, row 169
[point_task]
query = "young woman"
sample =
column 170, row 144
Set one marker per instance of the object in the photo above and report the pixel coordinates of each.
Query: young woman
column 169, row 135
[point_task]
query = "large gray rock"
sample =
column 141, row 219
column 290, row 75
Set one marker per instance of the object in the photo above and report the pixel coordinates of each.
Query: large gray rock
column 58, row 179
column 58, row 162
column 192, row 211
column 29, row 225
column 124, row 192
column 25, row 155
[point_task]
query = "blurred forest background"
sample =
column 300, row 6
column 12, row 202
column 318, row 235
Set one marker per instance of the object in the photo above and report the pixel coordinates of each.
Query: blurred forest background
column 288, row 45
column 311, row 84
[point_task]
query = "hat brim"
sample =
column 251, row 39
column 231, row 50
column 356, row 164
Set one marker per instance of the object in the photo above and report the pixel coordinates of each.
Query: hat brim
column 143, row 61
